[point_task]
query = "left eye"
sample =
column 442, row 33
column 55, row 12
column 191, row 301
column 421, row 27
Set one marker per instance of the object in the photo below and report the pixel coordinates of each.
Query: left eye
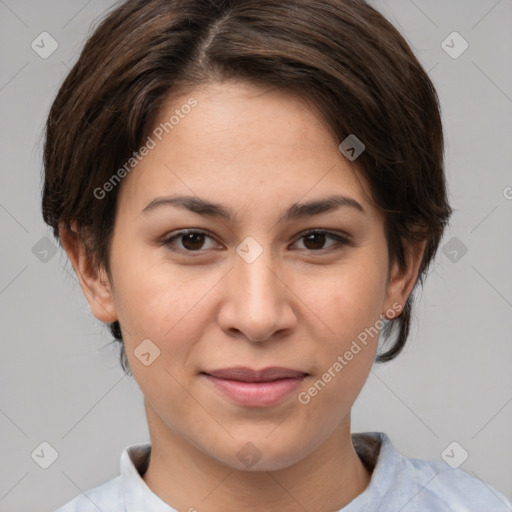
column 318, row 238
column 193, row 241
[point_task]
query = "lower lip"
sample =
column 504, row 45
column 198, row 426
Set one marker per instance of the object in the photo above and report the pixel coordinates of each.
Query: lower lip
column 256, row 394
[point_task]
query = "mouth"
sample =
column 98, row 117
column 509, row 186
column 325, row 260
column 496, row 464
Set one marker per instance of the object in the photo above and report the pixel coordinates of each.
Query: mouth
column 255, row 388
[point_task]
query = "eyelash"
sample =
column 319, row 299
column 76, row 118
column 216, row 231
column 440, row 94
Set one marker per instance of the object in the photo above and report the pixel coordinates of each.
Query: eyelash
column 340, row 241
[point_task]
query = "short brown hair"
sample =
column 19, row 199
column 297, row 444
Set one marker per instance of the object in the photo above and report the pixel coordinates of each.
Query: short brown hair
column 342, row 56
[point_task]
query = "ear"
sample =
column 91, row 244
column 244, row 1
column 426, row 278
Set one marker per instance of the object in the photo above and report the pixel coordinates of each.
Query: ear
column 94, row 281
column 401, row 282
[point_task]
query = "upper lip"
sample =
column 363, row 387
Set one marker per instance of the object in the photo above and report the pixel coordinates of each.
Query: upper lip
column 244, row 374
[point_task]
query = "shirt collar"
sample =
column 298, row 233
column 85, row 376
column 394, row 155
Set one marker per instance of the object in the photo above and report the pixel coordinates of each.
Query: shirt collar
column 136, row 494
column 374, row 449
column 385, row 463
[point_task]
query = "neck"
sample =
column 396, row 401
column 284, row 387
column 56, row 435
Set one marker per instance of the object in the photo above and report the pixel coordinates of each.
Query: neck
column 187, row 479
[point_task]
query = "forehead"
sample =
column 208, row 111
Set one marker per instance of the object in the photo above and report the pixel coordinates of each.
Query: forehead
column 244, row 144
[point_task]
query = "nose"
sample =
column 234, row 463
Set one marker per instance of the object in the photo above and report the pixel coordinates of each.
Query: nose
column 257, row 302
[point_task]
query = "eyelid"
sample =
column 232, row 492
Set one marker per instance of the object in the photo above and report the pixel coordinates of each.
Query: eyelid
column 341, row 235
column 340, row 241
column 167, row 239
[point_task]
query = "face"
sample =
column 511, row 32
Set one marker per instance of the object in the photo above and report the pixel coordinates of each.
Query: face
column 276, row 259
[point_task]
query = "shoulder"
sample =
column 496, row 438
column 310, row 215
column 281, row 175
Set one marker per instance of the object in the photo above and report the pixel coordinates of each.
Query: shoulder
column 106, row 496
column 127, row 488
column 434, row 483
column 455, row 489
column 414, row 485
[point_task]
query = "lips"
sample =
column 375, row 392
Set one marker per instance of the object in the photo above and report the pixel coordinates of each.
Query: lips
column 255, row 388
column 244, row 374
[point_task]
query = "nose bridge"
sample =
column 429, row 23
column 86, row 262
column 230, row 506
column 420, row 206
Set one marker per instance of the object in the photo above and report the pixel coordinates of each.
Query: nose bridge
column 257, row 299
column 257, row 280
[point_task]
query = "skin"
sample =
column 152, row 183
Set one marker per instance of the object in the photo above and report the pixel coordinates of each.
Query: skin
column 300, row 304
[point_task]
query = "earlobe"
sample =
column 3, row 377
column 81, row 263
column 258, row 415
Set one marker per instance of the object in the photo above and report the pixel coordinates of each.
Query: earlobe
column 401, row 282
column 94, row 281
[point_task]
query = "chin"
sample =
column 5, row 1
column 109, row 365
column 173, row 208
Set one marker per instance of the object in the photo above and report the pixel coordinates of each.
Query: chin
column 260, row 455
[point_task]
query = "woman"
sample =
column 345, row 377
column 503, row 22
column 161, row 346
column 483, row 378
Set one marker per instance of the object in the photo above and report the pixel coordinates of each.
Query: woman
column 249, row 192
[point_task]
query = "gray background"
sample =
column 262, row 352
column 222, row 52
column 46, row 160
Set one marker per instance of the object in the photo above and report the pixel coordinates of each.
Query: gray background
column 60, row 378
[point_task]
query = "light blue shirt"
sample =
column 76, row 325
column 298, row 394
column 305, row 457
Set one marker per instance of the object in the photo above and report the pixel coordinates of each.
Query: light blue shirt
column 398, row 484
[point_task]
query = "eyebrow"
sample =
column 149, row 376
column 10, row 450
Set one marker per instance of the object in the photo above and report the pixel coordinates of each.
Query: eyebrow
column 294, row 212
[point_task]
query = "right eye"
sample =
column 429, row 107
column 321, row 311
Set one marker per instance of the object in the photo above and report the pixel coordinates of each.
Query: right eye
column 191, row 241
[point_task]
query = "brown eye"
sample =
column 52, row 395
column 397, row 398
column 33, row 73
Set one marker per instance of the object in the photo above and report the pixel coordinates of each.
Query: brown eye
column 191, row 241
column 315, row 240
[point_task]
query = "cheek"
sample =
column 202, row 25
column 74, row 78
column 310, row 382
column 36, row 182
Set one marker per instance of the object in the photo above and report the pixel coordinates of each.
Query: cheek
column 152, row 300
column 345, row 357
column 348, row 306
column 348, row 300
